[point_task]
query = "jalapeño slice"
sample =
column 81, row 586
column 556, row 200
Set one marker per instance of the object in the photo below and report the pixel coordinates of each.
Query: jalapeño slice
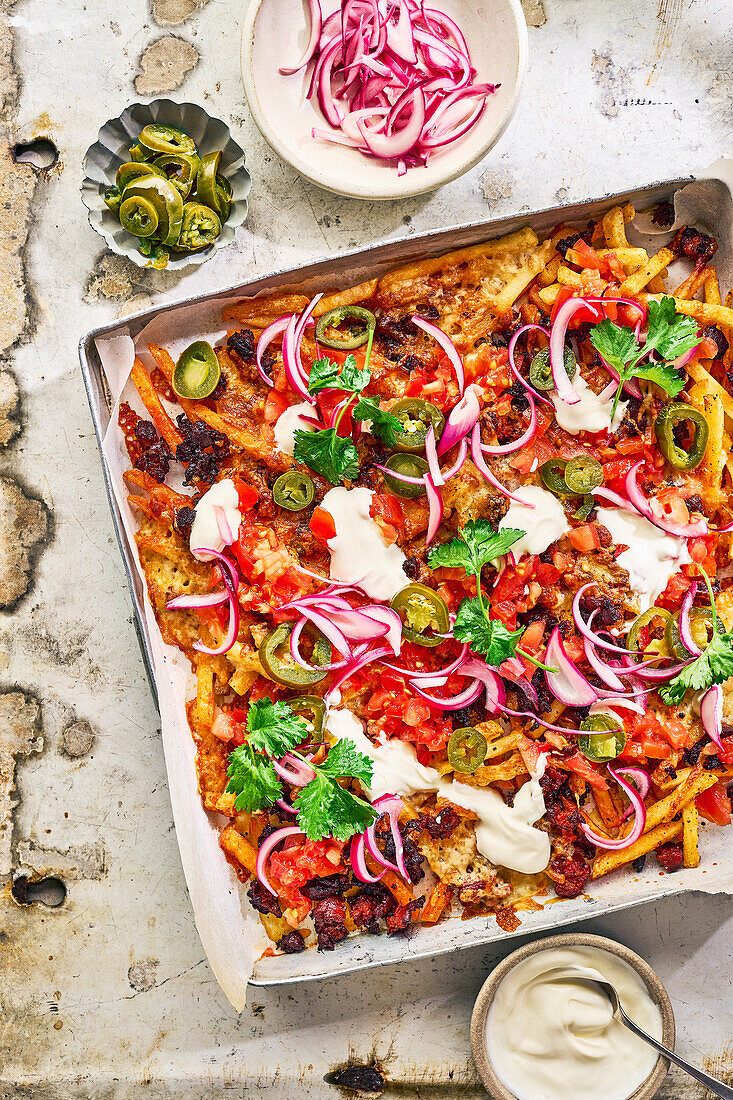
column 415, row 417
column 197, row 371
column 345, row 328
column 466, row 749
column 293, row 491
column 424, row 614
column 602, row 738
column 278, row 663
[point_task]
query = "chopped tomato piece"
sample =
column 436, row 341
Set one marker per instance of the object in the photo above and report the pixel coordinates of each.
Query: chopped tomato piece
column 714, row 804
column 587, row 771
column 248, row 495
column 386, row 507
column 322, row 524
column 275, row 406
column 585, row 538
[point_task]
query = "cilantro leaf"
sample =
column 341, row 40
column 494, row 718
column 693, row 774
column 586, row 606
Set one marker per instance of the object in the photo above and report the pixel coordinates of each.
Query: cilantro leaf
column 273, row 727
column 325, row 375
column 328, row 454
column 326, row 809
column 476, row 545
column 253, row 779
column 344, row 759
column 617, row 345
column 713, row 666
column 490, row 637
column 668, row 332
column 383, row 424
column 671, row 380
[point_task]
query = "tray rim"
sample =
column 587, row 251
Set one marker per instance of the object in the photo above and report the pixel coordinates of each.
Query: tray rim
column 98, row 397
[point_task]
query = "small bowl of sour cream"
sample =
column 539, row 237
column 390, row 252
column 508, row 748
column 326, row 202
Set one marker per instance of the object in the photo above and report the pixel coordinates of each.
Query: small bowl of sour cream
column 541, row 1030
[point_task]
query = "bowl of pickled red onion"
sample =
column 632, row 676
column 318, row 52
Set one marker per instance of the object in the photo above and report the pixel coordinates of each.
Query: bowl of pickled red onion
column 383, row 99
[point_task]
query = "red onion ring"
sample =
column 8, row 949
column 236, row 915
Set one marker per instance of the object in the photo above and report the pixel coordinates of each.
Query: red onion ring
column 461, row 419
column 358, row 861
column 266, row 848
column 266, row 338
column 516, row 444
column 513, row 366
column 192, row 603
column 316, row 21
column 685, row 628
column 601, row 668
column 639, row 501
column 446, row 344
column 558, row 332
column 567, row 684
column 637, row 828
column 480, row 463
column 437, row 508
column 711, row 714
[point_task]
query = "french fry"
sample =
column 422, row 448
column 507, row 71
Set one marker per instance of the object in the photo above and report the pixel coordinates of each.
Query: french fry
column 253, row 310
column 151, row 401
column 690, row 822
column 163, row 360
column 548, row 294
column 204, row 694
column 567, row 277
column 239, row 848
column 549, row 275
column 614, row 229
column 656, row 285
column 607, row 811
column 536, row 263
column 489, row 773
column 689, row 288
column 698, row 372
column 436, row 904
column 691, row 787
column 351, row 297
column 654, row 266
column 703, row 312
column 610, row 861
column 520, row 240
column 712, row 288
column 397, row 888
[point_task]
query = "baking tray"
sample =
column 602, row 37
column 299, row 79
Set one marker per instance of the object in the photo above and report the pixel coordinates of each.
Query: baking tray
column 707, row 201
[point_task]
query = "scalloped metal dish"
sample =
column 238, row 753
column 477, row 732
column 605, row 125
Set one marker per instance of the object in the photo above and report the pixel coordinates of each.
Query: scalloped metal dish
column 110, row 150
column 359, row 953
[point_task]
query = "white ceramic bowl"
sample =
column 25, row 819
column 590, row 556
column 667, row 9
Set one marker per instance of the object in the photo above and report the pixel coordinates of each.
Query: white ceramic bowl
column 275, row 33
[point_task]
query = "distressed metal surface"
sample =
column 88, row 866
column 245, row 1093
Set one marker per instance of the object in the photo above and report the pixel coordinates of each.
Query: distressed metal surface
column 107, row 995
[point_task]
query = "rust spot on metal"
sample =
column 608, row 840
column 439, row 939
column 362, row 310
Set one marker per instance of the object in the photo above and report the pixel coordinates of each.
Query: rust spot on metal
column 365, row 1079
column 169, row 13
column 534, row 13
column 164, row 65
column 9, row 407
column 19, row 736
column 142, row 975
column 25, row 523
column 81, row 861
column 77, row 738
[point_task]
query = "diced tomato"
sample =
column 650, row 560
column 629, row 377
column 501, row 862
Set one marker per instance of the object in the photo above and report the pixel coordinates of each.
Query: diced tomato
column 652, row 738
column 327, row 402
column 248, row 495
column 304, row 860
column 574, row 647
column 587, row 771
column 589, row 313
column 726, row 753
column 230, row 726
column 616, row 470
column 585, row 538
column 275, row 406
column 672, row 596
column 322, row 524
column 388, row 508
column 714, row 804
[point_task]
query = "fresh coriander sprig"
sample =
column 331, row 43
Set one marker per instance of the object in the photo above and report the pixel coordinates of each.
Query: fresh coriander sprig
column 669, row 333
column 333, row 456
column 325, row 808
column 713, row 666
column 478, row 544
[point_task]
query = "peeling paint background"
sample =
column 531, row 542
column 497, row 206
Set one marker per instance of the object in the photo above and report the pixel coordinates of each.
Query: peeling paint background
column 104, row 992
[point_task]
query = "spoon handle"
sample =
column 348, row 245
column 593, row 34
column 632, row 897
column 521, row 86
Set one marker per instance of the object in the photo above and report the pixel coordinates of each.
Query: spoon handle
column 716, row 1087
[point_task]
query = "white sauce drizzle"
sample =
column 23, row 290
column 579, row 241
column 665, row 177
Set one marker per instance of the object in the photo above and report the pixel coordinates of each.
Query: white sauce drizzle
column 543, row 524
column 551, row 1035
column 288, row 423
column 591, row 414
column 504, row 834
column 652, row 556
column 204, row 529
column 358, row 551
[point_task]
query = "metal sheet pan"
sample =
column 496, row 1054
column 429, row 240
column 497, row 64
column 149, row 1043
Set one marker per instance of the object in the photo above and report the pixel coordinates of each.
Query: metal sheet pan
column 707, row 202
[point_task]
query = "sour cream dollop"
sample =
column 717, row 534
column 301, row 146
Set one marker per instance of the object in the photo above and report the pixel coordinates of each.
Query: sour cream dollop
column 504, row 834
column 288, row 423
column 551, row 1035
column 591, row 414
column 652, row 556
column 205, row 533
column 544, row 523
column 358, row 551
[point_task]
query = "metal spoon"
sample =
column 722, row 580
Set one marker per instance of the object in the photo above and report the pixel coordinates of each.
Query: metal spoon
column 716, row 1087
